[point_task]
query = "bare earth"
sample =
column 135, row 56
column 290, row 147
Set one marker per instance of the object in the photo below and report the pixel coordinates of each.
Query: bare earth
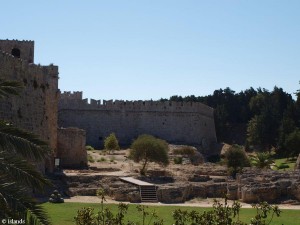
column 122, row 166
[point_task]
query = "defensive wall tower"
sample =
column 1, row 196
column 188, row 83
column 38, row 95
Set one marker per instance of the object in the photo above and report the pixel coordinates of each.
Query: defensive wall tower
column 190, row 123
column 19, row 49
column 35, row 109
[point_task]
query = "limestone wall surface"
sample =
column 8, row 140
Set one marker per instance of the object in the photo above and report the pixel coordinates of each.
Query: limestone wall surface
column 35, row 109
column 176, row 122
column 71, row 147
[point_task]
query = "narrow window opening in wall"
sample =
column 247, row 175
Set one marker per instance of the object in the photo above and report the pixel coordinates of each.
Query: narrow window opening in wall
column 19, row 113
column 143, row 103
column 35, row 84
column 163, row 123
column 100, row 138
column 16, row 52
column 205, row 124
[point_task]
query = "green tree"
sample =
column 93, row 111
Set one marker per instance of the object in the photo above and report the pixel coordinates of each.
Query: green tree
column 17, row 175
column 236, row 159
column 111, row 143
column 147, row 148
column 292, row 143
column 262, row 160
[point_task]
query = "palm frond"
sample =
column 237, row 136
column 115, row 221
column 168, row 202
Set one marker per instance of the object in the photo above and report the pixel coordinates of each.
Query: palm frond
column 21, row 205
column 21, row 171
column 9, row 88
column 36, row 215
column 22, row 142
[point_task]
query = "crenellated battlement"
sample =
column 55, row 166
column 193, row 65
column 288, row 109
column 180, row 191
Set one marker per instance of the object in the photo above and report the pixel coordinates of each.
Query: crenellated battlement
column 189, row 123
column 35, row 110
column 16, row 40
column 19, row 49
column 74, row 100
column 9, row 59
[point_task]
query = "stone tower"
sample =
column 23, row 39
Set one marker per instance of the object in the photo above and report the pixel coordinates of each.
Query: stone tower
column 19, row 49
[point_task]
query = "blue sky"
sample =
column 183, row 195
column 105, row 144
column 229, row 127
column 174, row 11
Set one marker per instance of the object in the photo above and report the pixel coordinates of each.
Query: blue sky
column 149, row 49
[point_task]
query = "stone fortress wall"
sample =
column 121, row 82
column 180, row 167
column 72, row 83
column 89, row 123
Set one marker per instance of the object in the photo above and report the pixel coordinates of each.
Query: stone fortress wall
column 176, row 122
column 35, row 109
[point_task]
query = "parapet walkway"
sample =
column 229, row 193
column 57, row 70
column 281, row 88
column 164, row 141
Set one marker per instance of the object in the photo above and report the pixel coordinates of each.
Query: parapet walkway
column 147, row 190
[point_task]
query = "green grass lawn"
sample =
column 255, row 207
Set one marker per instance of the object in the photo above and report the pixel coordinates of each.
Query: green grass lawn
column 290, row 162
column 63, row 214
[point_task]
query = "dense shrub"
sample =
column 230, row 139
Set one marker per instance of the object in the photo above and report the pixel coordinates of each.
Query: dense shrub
column 177, row 160
column 236, row 159
column 89, row 148
column 185, row 150
column 111, row 143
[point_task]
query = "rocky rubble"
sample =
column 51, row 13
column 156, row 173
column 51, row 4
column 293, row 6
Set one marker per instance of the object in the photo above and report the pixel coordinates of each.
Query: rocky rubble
column 270, row 186
column 198, row 182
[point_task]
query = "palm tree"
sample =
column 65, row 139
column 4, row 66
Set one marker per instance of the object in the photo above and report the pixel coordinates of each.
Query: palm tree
column 18, row 176
column 262, row 160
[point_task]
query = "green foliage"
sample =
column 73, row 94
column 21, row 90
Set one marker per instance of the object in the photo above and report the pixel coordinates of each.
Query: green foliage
column 147, row 148
column 222, row 214
column 285, row 163
column 111, row 143
column 292, row 143
column 186, row 150
column 85, row 216
column 102, row 159
column 105, row 216
column 262, row 160
column 262, row 118
column 263, row 210
column 177, row 160
column 236, row 159
column 283, row 166
column 89, row 148
column 9, row 88
column 90, row 158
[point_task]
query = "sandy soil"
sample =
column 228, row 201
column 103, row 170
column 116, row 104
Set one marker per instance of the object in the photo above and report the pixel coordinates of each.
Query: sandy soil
column 118, row 164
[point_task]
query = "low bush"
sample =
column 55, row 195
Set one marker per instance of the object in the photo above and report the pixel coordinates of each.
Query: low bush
column 89, row 148
column 222, row 214
column 236, row 159
column 177, row 160
column 185, row 150
column 102, row 159
column 90, row 159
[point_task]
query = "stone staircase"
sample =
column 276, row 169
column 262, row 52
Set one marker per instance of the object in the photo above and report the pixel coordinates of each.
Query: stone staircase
column 148, row 193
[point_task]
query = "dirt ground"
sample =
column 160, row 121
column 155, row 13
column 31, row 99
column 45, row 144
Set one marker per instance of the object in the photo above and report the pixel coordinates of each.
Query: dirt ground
column 117, row 164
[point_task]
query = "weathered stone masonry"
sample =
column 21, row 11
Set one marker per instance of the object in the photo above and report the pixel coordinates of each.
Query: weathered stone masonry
column 176, row 122
column 35, row 109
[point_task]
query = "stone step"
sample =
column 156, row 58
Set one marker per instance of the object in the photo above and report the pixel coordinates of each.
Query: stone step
column 148, row 194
